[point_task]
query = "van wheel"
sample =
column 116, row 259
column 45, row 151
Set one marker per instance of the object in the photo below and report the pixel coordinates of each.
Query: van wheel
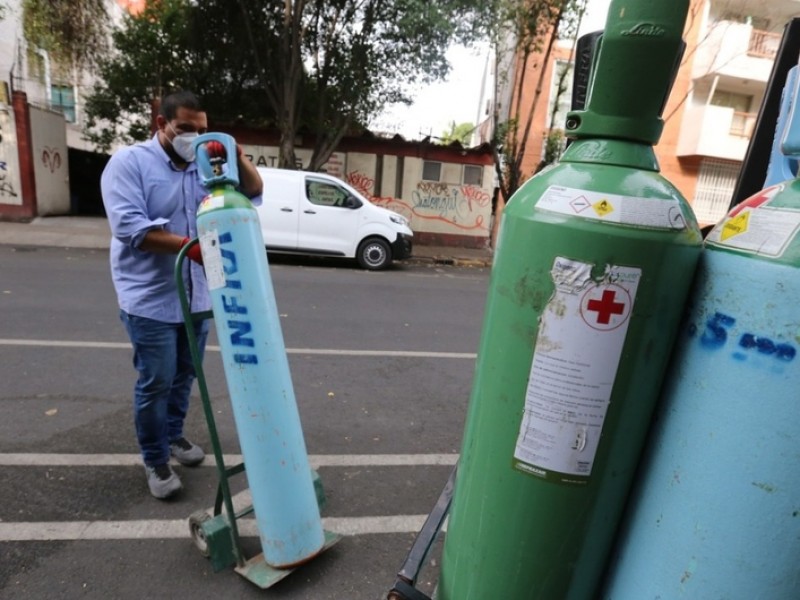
column 374, row 254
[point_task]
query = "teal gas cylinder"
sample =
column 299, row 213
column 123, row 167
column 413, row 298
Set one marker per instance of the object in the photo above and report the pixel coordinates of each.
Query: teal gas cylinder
column 255, row 363
column 592, row 269
column 716, row 510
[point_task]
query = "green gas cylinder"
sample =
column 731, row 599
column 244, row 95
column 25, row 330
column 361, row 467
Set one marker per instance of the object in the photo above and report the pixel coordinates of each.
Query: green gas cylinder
column 592, row 270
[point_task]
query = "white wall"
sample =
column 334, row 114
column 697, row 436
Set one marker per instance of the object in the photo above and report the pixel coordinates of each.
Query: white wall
column 51, row 170
column 10, row 192
column 10, row 30
column 437, row 207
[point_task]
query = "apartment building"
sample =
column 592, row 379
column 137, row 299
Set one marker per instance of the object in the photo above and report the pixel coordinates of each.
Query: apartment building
column 713, row 108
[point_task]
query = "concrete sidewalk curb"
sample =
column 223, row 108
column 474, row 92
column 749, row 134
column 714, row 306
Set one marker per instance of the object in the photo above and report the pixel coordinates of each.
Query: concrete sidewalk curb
column 451, row 261
column 91, row 233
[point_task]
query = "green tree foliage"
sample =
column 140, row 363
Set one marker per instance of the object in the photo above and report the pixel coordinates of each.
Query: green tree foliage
column 171, row 45
column 526, row 30
column 460, row 133
column 310, row 67
column 73, row 32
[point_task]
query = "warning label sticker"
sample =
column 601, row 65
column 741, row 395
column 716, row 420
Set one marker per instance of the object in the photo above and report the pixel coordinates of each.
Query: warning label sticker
column 657, row 213
column 755, row 226
column 212, row 259
column 575, row 361
column 735, row 226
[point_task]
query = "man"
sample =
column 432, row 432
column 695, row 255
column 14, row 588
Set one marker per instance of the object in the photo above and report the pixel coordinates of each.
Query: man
column 151, row 192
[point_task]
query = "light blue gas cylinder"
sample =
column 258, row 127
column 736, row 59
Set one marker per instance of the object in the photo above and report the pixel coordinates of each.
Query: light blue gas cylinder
column 782, row 164
column 716, row 511
column 255, row 362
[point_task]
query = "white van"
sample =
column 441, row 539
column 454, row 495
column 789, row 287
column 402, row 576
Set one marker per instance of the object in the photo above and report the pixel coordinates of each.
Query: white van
column 314, row 213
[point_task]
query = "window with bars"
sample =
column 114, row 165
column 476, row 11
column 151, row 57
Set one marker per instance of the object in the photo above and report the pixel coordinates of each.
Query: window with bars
column 431, row 171
column 716, row 181
column 63, row 99
column 473, row 175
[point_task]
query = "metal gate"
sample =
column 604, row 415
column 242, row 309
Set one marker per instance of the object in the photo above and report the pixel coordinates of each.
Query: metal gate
column 715, row 184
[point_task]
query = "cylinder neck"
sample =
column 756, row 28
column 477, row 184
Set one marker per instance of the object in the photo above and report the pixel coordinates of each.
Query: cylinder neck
column 634, row 67
column 621, row 153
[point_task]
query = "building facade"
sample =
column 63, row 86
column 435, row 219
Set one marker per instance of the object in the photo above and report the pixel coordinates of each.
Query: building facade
column 446, row 192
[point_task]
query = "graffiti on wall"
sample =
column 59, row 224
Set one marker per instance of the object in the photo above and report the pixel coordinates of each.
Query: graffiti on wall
column 6, row 187
column 51, row 158
column 6, row 184
column 465, row 208
column 366, row 186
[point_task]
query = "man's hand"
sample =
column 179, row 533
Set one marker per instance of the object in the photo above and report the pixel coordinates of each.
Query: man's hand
column 193, row 253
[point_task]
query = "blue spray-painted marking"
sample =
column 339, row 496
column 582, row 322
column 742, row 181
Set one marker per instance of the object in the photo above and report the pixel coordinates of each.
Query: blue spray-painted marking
column 239, row 329
column 245, row 359
column 786, row 352
column 232, row 305
column 715, row 334
column 763, row 345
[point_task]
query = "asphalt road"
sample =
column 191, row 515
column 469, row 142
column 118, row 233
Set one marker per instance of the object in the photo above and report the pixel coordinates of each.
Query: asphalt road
column 382, row 365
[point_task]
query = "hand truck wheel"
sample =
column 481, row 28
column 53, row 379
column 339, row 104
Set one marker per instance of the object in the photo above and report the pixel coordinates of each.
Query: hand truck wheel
column 196, row 521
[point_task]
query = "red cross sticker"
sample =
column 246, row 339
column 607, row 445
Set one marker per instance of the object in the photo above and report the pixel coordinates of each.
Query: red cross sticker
column 608, row 310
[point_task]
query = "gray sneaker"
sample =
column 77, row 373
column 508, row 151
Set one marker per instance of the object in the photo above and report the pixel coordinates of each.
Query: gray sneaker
column 186, row 453
column 163, row 481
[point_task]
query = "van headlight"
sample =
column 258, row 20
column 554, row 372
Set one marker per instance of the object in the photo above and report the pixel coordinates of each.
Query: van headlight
column 398, row 219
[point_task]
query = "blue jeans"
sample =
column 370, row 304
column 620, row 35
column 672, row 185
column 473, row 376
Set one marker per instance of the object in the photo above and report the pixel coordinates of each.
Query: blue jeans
column 162, row 357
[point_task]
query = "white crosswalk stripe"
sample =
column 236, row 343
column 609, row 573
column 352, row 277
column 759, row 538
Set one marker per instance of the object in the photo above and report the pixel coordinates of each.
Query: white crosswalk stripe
column 178, row 529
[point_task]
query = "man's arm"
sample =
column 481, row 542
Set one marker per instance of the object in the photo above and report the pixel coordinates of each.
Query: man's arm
column 250, row 183
column 161, row 241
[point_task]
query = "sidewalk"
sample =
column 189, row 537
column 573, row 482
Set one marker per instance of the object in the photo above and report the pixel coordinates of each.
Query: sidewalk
column 93, row 232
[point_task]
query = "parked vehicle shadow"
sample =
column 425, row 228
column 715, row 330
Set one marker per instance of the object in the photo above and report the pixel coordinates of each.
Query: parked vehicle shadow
column 325, row 262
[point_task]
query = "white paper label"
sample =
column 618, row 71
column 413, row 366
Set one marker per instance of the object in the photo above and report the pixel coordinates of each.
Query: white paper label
column 575, row 360
column 656, row 213
column 212, row 259
column 754, row 226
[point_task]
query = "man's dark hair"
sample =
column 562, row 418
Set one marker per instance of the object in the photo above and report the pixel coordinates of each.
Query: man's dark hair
column 183, row 99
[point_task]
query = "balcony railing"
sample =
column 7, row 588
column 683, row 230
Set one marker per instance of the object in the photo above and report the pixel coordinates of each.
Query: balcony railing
column 742, row 124
column 764, row 44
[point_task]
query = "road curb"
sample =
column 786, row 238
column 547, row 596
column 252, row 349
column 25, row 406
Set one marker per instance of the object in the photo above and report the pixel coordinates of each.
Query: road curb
column 450, row 262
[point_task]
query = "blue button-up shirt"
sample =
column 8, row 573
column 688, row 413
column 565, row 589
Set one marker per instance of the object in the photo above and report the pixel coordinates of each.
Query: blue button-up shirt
column 143, row 190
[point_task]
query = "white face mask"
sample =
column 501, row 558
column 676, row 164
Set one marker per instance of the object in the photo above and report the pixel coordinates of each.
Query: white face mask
column 182, row 143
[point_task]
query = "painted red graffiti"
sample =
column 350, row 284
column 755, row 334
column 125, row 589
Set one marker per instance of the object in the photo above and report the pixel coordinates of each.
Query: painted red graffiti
column 393, row 204
column 361, row 183
column 51, row 158
column 433, row 187
column 475, row 197
column 475, row 194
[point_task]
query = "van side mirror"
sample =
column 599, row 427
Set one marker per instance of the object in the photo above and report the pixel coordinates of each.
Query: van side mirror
column 352, row 202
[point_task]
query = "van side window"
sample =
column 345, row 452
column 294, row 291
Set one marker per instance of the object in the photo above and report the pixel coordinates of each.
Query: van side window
column 323, row 193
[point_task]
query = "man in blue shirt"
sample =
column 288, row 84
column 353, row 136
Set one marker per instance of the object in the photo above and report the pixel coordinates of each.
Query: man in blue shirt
column 151, row 192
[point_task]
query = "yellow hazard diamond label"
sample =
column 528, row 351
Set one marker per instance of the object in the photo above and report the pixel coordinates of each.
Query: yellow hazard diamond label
column 603, row 207
column 735, row 226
